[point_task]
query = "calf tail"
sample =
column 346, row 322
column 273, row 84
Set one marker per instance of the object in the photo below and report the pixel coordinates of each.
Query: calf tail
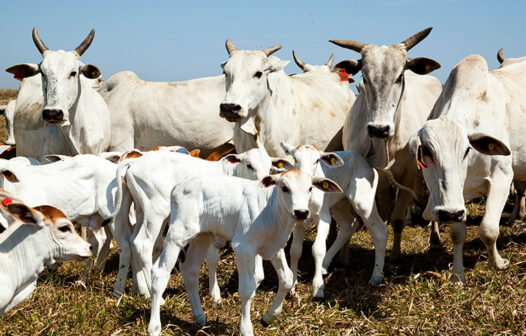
column 122, row 168
column 393, row 181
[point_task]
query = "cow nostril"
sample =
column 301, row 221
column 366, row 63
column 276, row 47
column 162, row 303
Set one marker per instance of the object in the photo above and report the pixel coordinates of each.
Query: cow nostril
column 450, row 216
column 91, row 248
column 236, row 108
column 226, row 107
column 52, row 114
column 301, row 214
column 378, row 131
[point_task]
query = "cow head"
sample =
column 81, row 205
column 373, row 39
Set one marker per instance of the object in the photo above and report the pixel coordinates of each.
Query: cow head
column 443, row 149
column 246, row 74
column 326, row 67
column 61, row 71
column 383, row 69
column 294, row 190
column 255, row 164
column 65, row 241
column 308, row 158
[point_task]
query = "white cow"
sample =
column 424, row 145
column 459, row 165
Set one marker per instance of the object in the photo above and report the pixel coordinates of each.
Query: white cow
column 74, row 117
column 465, row 152
column 268, row 106
column 308, row 67
column 394, row 102
column 39, row 237
column 83, row 186
column 256, row 219
column 505, row 61
column 8, row 111
column 147, row 114
column 150, row 177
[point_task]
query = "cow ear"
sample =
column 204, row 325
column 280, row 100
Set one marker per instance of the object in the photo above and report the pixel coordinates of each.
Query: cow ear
column 275, row 64
column 113, row 158
column 280, row 165
column 350, row 66
column 326, row 185
column 90, row 71
column 25, row 214
column 55, row 157
column 288, row 149
column 232, row 158
column 22, row 71
column 414, row 148
column 488, row 145
column 332, row 160
column 422, row 65
column 268, row 181
column 10, row 176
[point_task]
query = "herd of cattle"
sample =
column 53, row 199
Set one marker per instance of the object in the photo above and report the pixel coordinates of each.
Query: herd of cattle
column 112, row 156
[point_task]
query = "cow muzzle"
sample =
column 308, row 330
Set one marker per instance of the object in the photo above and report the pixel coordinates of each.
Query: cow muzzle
column 300, row 214
column 230, row 112
column 53, row 116
column 379, row 131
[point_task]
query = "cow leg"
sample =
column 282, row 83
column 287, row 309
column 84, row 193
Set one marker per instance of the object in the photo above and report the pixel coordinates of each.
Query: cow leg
column 104, row 250
column 284, row 273
column 296, row 247
column 212, row 259
column 398, row 216
column 319, row 248
column 245, row 260
column 19, row 297
column 434, row 236
column 489, row 227
column 199, row 247
column 122, row 235
column 458, row 236
column 259, row 273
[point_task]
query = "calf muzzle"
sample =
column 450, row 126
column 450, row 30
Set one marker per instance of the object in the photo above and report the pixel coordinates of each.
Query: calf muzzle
column 301, row 214
column 53, row 116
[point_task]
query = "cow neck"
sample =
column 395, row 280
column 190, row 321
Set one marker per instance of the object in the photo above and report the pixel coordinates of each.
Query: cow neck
column 24, row 249
column 71, row 131
column 229, row 168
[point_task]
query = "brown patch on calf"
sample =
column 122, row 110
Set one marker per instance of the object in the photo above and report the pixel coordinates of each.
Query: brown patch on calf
column 195, row 152
column 293, row 170
column 308, row 147
column 215, row 156
column 157, row 148
column 130, row 155
column 51, row 213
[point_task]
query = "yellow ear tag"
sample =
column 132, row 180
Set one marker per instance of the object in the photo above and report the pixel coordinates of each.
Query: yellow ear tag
column 280, row 164
column 333, row 160
column 325, row 185
column 491, row 146
column 428, row 67
column 93, row 73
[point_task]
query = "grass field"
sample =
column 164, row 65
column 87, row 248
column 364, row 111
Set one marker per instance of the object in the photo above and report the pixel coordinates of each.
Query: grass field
column 416, row 297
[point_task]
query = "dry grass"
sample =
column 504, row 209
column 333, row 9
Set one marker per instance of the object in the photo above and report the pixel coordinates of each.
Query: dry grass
column 5, row 97
column 416, row 299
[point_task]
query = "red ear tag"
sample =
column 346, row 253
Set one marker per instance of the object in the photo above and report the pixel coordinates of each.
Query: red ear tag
column 19, row 75
column 421, row 164
column 344, row 76
column 6, row 201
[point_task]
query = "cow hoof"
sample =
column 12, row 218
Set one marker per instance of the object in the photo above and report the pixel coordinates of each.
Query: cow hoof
column 200, row 320
column 154, row 330
column 324, row 270
column 375, row 280
column 263, row 323
column 457, row 278
column 116, row 293
column 318, row 294
column 502, row 264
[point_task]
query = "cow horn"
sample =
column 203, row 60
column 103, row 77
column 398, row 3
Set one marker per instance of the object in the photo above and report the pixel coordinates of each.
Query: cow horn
column 230, row 47
column 38, row 42
column 81, row 49
column 415, row 39
column 330, row 61
column 500, row 56
column 270, row 50
column 298, row 61
column 349, row 44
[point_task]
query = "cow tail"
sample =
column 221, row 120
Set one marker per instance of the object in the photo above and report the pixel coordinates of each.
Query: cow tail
column 122, row 168
column 393, row 181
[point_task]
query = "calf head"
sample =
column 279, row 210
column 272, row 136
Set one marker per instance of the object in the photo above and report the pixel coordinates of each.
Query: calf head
column 246, row 74
column 383, row 70
column 443, row 149
column 65, row 241
column 294, row 190
column 326, row 67
column 255, row 164
column 61, row 71
column 307, row 157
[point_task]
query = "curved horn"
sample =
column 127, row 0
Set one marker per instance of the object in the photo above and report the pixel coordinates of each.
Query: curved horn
column 415, row 39
column 330, row 61
column 230, row 46
column 500, row 56
column 298, row 61
column 38, row 42
column 349, row 44
column 270, row 50
column 81, row 49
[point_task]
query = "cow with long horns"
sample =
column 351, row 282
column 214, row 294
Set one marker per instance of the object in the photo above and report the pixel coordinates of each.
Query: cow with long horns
column 394, row 102
column 76, row 118
column 268, row 106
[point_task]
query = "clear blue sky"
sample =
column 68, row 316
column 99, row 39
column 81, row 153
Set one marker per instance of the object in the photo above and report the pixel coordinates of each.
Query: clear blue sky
column 179, row 40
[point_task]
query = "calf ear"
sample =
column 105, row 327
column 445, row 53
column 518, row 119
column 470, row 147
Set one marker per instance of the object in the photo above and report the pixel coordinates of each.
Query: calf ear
column 268, row 181
column 22, row 71
column 90, row 71
column 232, row 158
column 488, row 145
column 422, row 65
column 25, row 214
column 288, row 149
column 10, row 176
column 350, row 66
column 332, row 160
column 55, row 157
column 326, row 185
column 281, row 165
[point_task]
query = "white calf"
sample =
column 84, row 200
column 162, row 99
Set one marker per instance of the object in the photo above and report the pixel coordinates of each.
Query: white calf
column 39, row 237
column 359, row 181
column 256, row 219
column 150, row 177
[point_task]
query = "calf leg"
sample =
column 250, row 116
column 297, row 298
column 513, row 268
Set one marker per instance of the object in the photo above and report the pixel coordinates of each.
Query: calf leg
column 285, row 284
column 319, row 249
column 245, row 260
column 19, row 297
column 296, row 247
column 458, row 236
column 212, row 259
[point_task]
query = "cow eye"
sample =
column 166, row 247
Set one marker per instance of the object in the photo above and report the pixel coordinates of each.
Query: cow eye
column 399, row 79
column 258, row 74
column 249, row 166
column 466, row 153
column 65, row 228
column 72, row 74
column 317, row 161
column 310, row 189
column 285, row 189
